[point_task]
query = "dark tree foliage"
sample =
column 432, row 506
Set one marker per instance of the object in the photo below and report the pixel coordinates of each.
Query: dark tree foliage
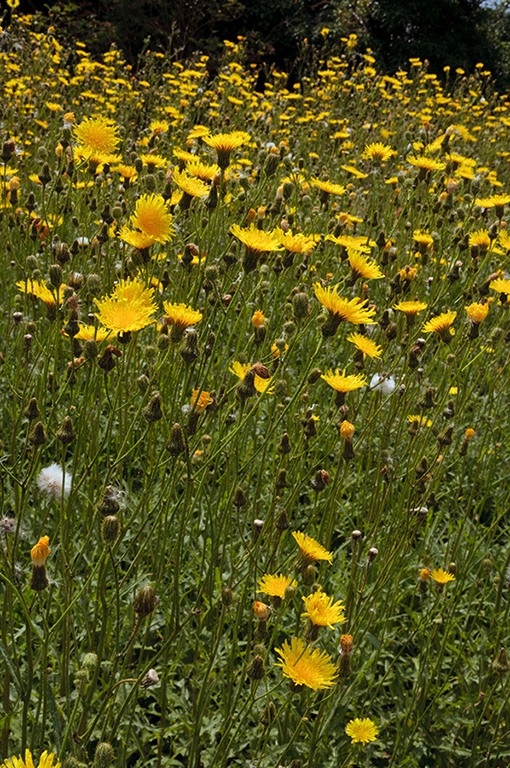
column 446, row 32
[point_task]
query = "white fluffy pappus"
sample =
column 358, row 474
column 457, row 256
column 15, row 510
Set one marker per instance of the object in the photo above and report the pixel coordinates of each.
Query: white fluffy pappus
column 51, row 479
column 385, row 384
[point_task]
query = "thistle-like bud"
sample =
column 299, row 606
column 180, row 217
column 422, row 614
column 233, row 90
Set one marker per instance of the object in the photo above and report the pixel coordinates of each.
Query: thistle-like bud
column 283, row 446
column 108, row 504
column 37, row 435
column 110, row 529
column 281, row 480
column 32, row 411
column 501, row 663
column 189, row 350
column 176, row 442
column 314, row 376
column 152, row 411
column 320, row 480
column 90, row 662
column 104, row 755
column 239, row 499
column 145, row 601
column 246, row 387
column 282, row 521
column 66, row 433
column 256, row 669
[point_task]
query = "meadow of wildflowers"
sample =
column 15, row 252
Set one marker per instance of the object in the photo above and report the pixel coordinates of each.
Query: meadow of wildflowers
column 254, row 379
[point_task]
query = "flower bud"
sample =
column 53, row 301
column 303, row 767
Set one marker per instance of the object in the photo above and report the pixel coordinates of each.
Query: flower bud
column 104, row 755
column 152, row 411
column 145, row 601
column 176, row 442
column 110, row 529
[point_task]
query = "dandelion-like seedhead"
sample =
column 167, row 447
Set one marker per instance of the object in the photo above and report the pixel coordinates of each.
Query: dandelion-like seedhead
column 54, row 482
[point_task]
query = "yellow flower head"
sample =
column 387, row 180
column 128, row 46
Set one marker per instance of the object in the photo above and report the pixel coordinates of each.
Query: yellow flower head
column 321, row 610
column 190, row 185
column 201, row 170
column 40, row 290
column 341, row 309
column 477, row 312
column 501, row 285
column 362, row 730
column 152, row 218
column 153, row 161
column 441, row 577
column 157, row 127
column 410, row 307
column 342, row 383
column 261, row 383
column 261, row 610
column 225, row 143
column 425, row 163
column 303, row 666
column 89, row 332
column 480, row 239
column 97, row 136
column 363, row 267
column 45, row 761
column 258, row 319
column 441, row 325
column 257, row 240
column 310, row 549
column 378, row 152
column 365, row 345
column 41, row 551
column 130, row 307
column 275, row 586
column 181, row 316
column 200, row 400
column 347, row 430
column 296, row 243
column 327, row 187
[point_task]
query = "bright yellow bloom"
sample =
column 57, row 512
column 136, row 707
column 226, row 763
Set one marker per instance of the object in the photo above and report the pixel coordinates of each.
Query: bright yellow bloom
column 363, row 267
column 426, row 163
column 152, row 218
column 89, row 332
column 190, row 185
column 200, row 400
column 321, row 610
column 340, row 309
column 422, row 420
column 296, row 243
column 310, row 549
column 134, row 237
column 97, row 136
column 480, row 239
column 477, row 312
column 501, row 284
column 258, row 319
column 181, row 316
column 201, row 170
column 362, row 730
column 410, row 307
column 303, row 666
column 342, row 383
column 41, row 291
column 347, row 430
column 441, row 325
column 378, row 152
column 441, row 577
column 275, row 586
column 359, row 242
column 327, row 187
column 225, row 143
column 158, row 126
column 365, row 345
column 45, row 761
column 260, row 383
column 153, row 161
column 257, row 240
column 40, row 551
column 130, row 307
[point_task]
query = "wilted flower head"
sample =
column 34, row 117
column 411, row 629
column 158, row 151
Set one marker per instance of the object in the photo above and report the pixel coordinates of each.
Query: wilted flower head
column 52, row 481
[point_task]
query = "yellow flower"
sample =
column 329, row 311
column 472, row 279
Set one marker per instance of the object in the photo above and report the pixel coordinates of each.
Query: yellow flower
column 378, row 152
column 310, row 549
column 41, row 291
column 158, row 127
column 362, row 730
column 347, row 430
column 363, row 267
column 200, row 400
column 321, row 610
column 480, row 239
column 257, row 241
column 258, row 319
column 224, row 144
column 181, row 316
column 190, row 185
column 130, row 307
column 303, row 666
column 477, row 312
column 202, row 170
column 40, row 551
column 88, row 332
column 327, row 187
column 275, row 586
column 152, row 218
column 410, row 307
column 340, row 309
column 441, row 577
column 441, row 325
column 136, row 238
column 261, row 610
column 97, row 136
column 153, row 161
column 45, row 761
column 501, row 285
column 260, row 383
column 426, row 164
column 365, row 345
column 422, row 420
column 296, row 243
column 342, row 383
